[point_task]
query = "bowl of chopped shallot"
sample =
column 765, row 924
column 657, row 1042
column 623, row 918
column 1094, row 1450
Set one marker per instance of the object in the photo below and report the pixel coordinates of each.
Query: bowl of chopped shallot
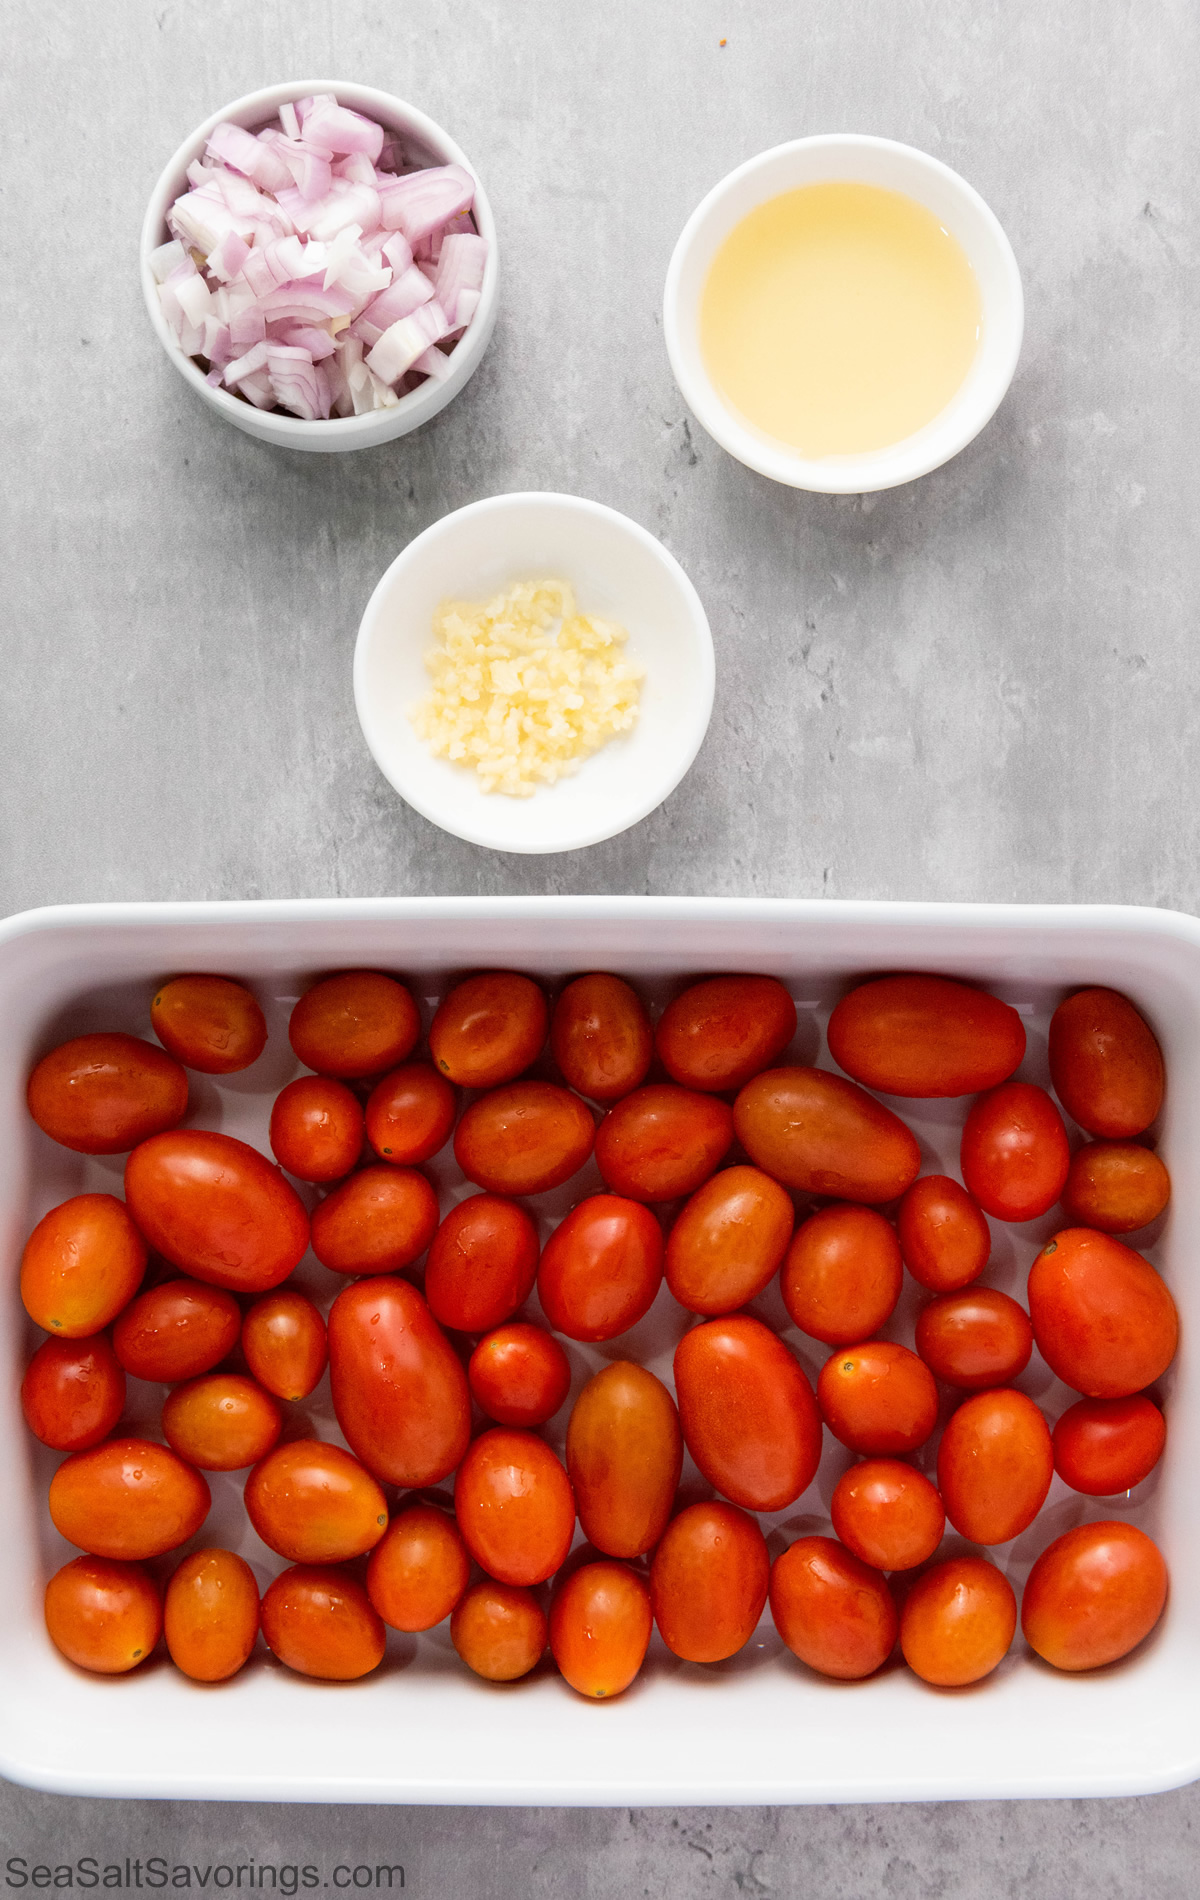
column 319, row 262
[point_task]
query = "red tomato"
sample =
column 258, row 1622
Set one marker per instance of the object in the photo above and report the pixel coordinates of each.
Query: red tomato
column 419, row 1570
column 995, row 1463
column 316, row 1128
column 925, row 1036
column 103, row 1616
column 128, row 1499
column 748, row 1413
column 102, row 1094
column 842, row 1275
column 514, row 1505
column 320, row 1623
column 1103, row 1446
column 314, row 1503
column 212, row 1206
column 831, row 1610
column 356, row 1024
column 208, row 1023
column 222, row 1423
column 499, row 1631
column 728, row 1241
column 600, row 1037
column 1014, row 1155
column 399, row 1392
column 410, row 1114
column 1115, row 1186
column 600, row 1624
column 958, row 1622
column 210, row 1616
column 601, row 1268
column 482, row 1263
column 1093, row 1595
column 708, row 1582
column 283, row 1338
column 878, row 1398
column 488, row 1029
column 1102, row 1318
column 1105, row 1064
column 624, row 1456
column 975, row 1340
column 814, row 1132
column 82, row 1263
column 662, row 1141
column 177, row 1330
column 379, row 1221
column 73, row 1392
column 887, row 1514
column 524, row 1139
column 519, row 1375
column 944, row 1238
column 725, row 1029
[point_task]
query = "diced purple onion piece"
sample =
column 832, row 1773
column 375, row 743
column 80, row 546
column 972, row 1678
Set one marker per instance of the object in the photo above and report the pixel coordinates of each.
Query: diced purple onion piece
column 401, row 344
column 341, row 130
column 417, row 203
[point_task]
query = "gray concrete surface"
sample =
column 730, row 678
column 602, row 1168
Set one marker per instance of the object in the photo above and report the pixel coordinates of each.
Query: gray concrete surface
column 980, row 686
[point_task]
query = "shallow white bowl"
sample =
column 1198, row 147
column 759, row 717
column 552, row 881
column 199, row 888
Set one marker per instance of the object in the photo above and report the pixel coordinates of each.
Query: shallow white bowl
column 619, row 572
column 428, row 143
column 848, row 157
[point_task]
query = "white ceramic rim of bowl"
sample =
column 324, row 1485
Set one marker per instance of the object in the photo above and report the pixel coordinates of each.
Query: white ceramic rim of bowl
column 338, row 432
column 852, row 157
column 492, row 838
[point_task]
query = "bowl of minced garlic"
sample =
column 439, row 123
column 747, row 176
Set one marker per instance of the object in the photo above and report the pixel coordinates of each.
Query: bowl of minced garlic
column 534, row 673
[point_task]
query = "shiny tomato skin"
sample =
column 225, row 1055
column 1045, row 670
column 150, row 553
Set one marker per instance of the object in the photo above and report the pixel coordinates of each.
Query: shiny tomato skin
column 1093, row 1595
column 1105, row 1063
column 748, row 1413
column 209, row 1023
column 925, row 1037
column 499, row 1631
column 601, row 1268
column 176, row 1331
column 524, row 1138
column 314, row 1503
column 624, row 1456
column 975, row 1339
column 214, row 1207
column 842, row 1275
column 355, row 1024
column 419, row 1570
column 399, row 1391
column 878, row 1398
column 515, row 1506
column 410, row 1114
column 600, row 1624
column 489, row 1029
column 600, row 1037
column 888, row 1514
column 103, row 1094
column 708, row 1582
column 519, row 1375
column 944, row 1237
column 321, row 1623
column 211, row 1615
column 728, row 1241
column 73, row 1392
column 832, row 1611
column 662, row 1142
column 822, row 1135
column 995, row 1464
column 958, row 1622
column 317, row 1129
column 1102, row 1318
column 82, row 1264
column 1014, row 1156
column 379, row 1221
column 222, row 1423
column 482, row 1263
column 1105, row 1446
column 128, row 1499
column 102, row 1615
column 283, row 1338
column 723, row 1030
column 1115, row 1187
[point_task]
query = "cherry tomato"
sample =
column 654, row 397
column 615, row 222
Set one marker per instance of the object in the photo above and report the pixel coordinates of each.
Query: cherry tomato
column 662, row 1141
column 283, row 1338
column 482, row 1263
column 82, row 1264
column 1105, row 1064
column 728, row 1241
column 177, row 1330
column 210, row 1615
column 399, row 1392
column 815, row 1132
column 419, row 1570
column 748, row 1413
column 600, row 1624
column 925, row 1036
column 488, row 1029
column 601, row 1268
column 842, row 1275
column 314, row 1503
column 1014, row 1155
column 379, row 1221
column 994, row 1467
column 356, row 1024
column 103, row 1616
column 499, row 1631
column 519, row 1375
column 222, row 1423
column 103, row 1094
column 524, row 1138
column 708, row 1582
column 878, row 1398
column 316, row 1128
column 1093, row 1595
column 514, row 1505
column 208, row 1023
column 975, row 1340
column 600, row 1037
column 888, row 1514
column 1103, row 1446
column 831, row 1610
column 410, row 1114
column 73, row 1392
column 944, row 1239
column 214, row 1207
column 725, row 1029
column 1102, row 1318
column 321, row 1623
column 127, row 1498
column 1115, row 1186
column 624, row 1455
column 958, row 1622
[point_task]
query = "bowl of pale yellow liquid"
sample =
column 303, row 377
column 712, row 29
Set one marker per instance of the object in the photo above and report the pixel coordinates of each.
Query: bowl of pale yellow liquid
column 843, row 313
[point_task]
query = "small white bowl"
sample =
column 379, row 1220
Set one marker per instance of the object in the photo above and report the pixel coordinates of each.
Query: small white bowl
column 619, row 572
column 428, row 143
column 847, row 157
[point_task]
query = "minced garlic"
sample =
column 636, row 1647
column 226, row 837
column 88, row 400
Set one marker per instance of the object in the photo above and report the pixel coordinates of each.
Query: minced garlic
column 525, row 686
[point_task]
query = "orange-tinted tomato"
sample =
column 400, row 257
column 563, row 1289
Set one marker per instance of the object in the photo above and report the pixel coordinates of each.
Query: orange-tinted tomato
column 315, row 1504
column 519, row 1375
column 514, row 1505
column 321, row 1623
column 815, row 1132
column 214, row 1207
column 222, row 1423
column 708, row 1582
column 73, row 1392
column 488, row 1029
column 944, row 1238
column 600, row 1037
column 1102, row 1318
column 994, row 1467
column 316, row 1128
column 128, row 1499
column 958, row 1622
column 356, row 1024
column 419, row 1570
column 82, row 1263
column 976, row 1339
column 1105, row 1063
column 831, row 1610
column 283, row 1338
column 725, row 1029
column 662, row 1141
column 1103, row 1446
column 1093, row 1595
column 1115, row 1186
column 524, row 1138
column 102, row 1094
column 601, row 1268
column 410, row 1114
column 103, row 1616
column 482, row 1263
column 499, row 1631
column 1014, row 1155
column 176, row 1331
column 728, row 1241
column 210, row 1615
column 399, row 1392
column 379, row 1221
column 842, row 1275
column 888, row 1514
column 624, row 1454
column 925, row 1036
column 600, row 1624
column 748, row 1413
column 878, row 1398
column 208, row 1023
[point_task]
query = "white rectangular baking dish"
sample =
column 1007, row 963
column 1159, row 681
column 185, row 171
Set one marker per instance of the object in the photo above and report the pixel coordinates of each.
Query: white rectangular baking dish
column 760, row 1728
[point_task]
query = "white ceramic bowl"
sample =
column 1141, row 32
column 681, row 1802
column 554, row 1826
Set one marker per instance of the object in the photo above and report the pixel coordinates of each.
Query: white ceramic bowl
column 848, row 157
column 428, row 143
column 618, row 571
